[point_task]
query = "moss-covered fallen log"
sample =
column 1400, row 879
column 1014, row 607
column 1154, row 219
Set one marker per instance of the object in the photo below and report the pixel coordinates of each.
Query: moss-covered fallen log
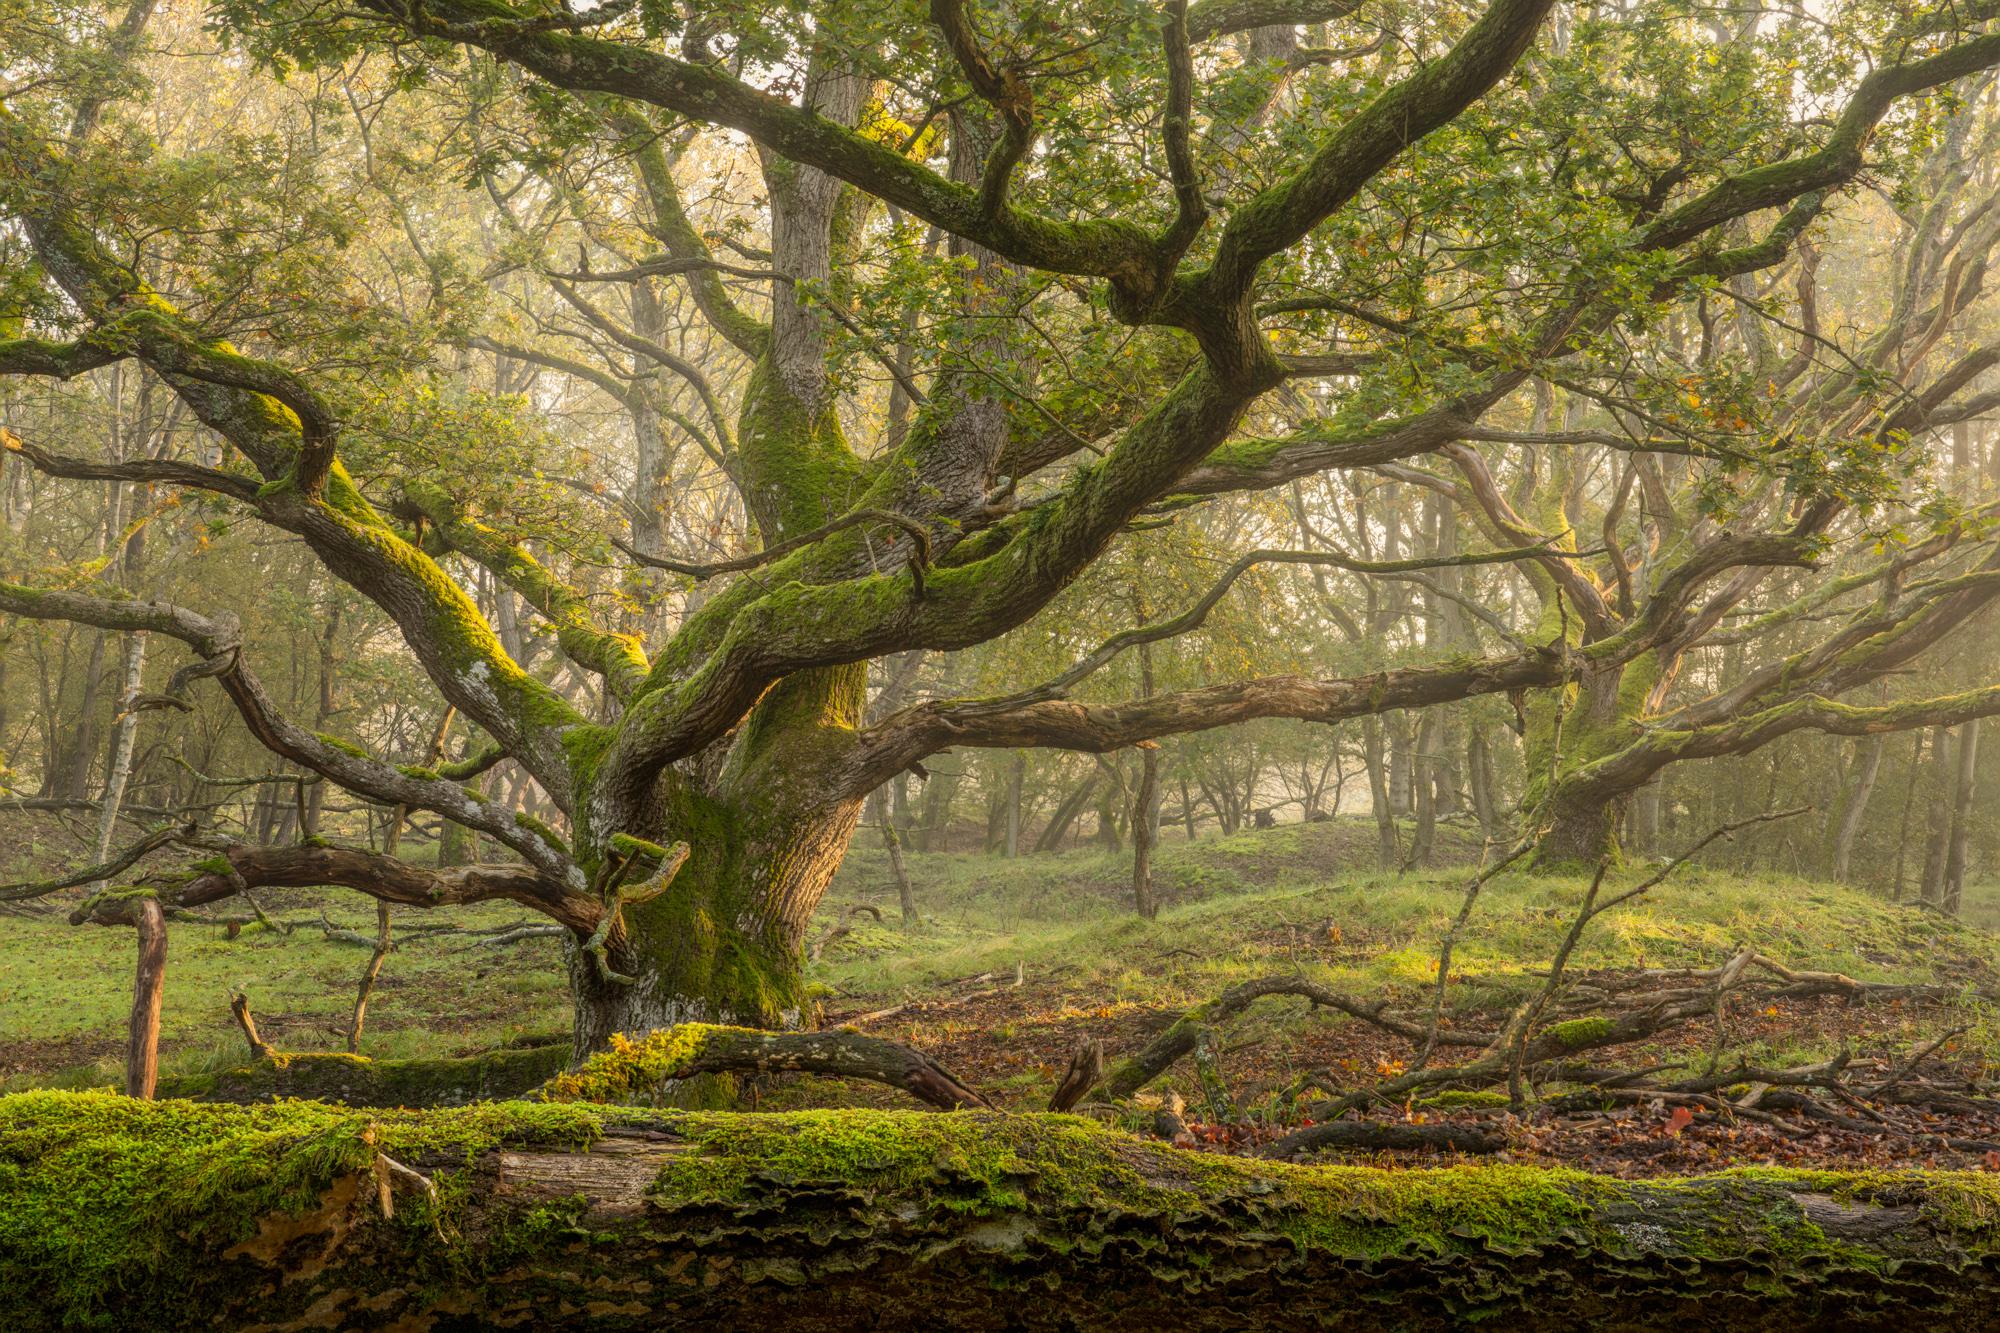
column 359, row 1081
column 128, row 1214
column 639, row 1071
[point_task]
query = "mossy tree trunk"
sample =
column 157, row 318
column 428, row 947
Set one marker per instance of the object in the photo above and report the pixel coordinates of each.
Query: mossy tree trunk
column 765, row 838
column 1568, row 729
column 765, row 826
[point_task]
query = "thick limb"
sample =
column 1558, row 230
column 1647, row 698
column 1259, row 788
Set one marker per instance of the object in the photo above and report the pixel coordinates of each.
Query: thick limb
column 240, row 866
column 219, row 644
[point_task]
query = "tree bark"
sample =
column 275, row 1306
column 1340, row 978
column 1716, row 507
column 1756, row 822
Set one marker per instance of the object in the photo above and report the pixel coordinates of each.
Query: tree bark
column 449, row 1221
column 726, row 944
column 1424, row 777
column 1016, row 774
column 1064, row 818
column 1937, row 836
column 142, row 1046
column 1569, row 730
column 118, row 771
column 1479, row 778
column 892, row 843
column 70, row 764
column 1402, row 764
column 1146, row 798
column 1579, row 836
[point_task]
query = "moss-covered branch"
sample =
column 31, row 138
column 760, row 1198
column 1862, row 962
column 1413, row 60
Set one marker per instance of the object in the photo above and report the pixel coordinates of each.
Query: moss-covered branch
column 181, row 1215
column 902, row 738
column 387, row 879
column 619, row 658
column 640, row 1071
column 280, row 423
column 1658, row 747
column 581, row 63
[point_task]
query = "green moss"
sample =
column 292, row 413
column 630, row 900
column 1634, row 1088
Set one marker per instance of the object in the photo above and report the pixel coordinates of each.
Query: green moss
column 627, row 845
column 980, row 1164
column 110, row 1206
column 1580, row 1031
column 344, row 746
column 359, row 1081
column 629, row 1070
column 1458, row 1098
column 541, row 830
column 98, row 1192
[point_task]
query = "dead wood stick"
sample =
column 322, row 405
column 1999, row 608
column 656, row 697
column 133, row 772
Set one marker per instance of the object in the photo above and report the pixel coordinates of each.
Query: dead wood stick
column 1479, row 881
column 1086, row 1071
column 1150, row 1061
column 142, row 1049
column 1521, row 1024
column 368, row 976
column 1909, row 1066
column 1208, row 1069
column 239, row 1005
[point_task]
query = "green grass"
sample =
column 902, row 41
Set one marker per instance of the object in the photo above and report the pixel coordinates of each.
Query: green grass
column 1981, row 905
column 72, row 984
column 1264, row 901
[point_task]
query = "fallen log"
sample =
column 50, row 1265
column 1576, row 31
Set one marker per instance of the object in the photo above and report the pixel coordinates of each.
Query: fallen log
column 358, row 1081
column 1368, row 1136
column 165, row 1215
column 647, row 1070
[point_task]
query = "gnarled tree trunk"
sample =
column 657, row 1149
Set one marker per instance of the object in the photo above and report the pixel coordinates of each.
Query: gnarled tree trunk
column 766, row 834
column 1568, row 729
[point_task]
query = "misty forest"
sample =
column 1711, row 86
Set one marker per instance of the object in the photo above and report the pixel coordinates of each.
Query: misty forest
column 999, row 664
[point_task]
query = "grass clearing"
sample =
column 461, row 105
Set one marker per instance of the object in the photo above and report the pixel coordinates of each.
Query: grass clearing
column 1268, row 901
column 65, row 994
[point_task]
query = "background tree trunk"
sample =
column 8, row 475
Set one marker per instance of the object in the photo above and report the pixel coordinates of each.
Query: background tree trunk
column 1859, row 788
column 1145, row 833
column 1961, row 817
column 892, row 843
column 1425, row 780
column 118, row 771
column 1388, row 842
column 1937, row 838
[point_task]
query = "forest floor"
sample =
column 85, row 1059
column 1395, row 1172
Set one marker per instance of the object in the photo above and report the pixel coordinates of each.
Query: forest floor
column 1016, row 962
